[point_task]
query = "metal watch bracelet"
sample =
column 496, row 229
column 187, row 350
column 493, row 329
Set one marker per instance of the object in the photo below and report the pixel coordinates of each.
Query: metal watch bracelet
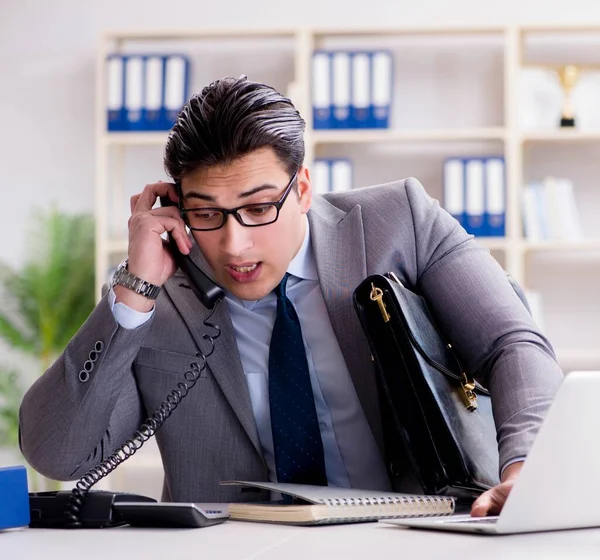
column 123, row 277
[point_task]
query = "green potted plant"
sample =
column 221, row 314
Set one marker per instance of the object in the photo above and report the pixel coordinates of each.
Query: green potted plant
column 44, row 303
column 10, row 396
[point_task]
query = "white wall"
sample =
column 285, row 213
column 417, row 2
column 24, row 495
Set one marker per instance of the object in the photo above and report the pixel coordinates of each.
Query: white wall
column 47, row 57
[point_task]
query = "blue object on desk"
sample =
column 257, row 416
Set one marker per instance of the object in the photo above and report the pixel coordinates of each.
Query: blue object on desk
column 14, row 497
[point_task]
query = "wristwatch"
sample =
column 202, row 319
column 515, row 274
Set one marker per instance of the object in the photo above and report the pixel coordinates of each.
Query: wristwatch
column 123, row 277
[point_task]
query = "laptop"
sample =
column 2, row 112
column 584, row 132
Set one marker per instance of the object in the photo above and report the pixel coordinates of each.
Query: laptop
column 559, row 485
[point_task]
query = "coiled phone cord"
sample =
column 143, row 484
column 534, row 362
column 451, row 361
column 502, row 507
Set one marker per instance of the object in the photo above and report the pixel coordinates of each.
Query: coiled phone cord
column 144, row 432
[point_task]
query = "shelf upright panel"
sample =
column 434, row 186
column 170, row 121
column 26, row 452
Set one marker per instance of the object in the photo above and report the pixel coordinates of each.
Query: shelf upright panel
column 101, row 186
column 515, row 262
column 303, row 78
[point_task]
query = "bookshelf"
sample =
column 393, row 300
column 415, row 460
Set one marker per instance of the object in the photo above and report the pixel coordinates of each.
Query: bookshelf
column 464, row 97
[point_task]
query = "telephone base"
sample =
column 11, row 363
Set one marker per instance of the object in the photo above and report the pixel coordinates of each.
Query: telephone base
column 47, row 509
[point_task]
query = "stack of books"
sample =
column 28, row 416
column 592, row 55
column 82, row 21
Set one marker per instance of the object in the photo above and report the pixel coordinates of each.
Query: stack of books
column 351, row 89
column 145, row 92
column 475, row 194
column 332, row 175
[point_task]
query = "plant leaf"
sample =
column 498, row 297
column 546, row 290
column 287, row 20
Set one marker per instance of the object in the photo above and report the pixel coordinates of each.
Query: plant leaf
column 10, row 399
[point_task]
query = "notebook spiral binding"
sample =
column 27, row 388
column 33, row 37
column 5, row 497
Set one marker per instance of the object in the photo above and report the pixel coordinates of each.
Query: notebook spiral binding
column 408, row 499
column 422, row 506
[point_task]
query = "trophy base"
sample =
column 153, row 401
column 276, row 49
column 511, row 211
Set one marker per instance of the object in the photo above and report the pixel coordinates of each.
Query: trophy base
column 566, row 122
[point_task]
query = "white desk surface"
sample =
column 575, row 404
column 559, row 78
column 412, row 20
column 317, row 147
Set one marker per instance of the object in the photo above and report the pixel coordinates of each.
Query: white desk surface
column 249, row 541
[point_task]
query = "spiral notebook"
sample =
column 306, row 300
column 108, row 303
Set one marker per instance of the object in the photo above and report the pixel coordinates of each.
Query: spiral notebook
column 320, row 505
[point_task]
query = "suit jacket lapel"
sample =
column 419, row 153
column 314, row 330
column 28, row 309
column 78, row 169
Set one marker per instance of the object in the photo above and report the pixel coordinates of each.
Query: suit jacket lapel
column 339, row 247
column 224, row 363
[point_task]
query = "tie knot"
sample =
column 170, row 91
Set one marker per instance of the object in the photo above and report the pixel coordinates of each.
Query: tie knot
column 280, row 289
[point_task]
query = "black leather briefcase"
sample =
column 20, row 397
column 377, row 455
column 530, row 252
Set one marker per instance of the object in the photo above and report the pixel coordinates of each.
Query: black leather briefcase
column 435, row 414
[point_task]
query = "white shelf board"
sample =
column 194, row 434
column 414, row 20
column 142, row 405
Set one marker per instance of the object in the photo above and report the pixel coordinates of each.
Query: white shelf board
column 571, row 359
column 245, row 32
column 559, row 28
column 561, row 136
column 199, row 33
column 494, row 243
column 335, row 136
column 583, row 245
column 393, row 135
column 554, row 67
column 135, row 138
column 379, row 31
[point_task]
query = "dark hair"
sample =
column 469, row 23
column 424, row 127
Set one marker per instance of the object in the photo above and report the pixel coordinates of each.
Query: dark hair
column 229, row 119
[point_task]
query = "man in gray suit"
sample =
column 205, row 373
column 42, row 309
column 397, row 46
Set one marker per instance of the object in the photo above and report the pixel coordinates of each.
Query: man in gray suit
column 289, row 393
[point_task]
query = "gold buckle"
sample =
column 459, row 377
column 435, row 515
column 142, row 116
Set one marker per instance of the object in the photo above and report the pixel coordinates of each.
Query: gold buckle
column 467, row 393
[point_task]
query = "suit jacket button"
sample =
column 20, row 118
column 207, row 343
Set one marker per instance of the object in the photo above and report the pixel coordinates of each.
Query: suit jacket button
column 84, row 376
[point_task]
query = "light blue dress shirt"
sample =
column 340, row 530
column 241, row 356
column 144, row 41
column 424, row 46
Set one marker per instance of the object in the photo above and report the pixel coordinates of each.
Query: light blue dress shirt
column 352, row 458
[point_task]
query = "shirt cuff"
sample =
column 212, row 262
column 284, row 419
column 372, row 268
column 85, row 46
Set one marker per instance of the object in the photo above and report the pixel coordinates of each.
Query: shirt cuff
column 126, row 317
column 515, row 460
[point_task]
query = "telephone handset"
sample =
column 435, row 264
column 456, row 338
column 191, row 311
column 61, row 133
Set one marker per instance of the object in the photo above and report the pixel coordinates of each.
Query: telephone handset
column 205, row 289
column 81, row 509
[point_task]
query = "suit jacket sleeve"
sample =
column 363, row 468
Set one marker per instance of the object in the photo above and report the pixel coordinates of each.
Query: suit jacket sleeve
column 67, row 425
column 486, row 322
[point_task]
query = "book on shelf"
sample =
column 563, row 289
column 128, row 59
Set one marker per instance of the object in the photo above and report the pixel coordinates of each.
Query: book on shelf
column 321, row 505
column 381, row 88
column 550, row 211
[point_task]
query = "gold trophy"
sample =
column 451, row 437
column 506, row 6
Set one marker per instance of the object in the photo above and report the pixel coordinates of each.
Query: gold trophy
column 568, row 76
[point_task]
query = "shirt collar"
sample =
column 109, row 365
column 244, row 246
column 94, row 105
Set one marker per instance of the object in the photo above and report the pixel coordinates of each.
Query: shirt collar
column 303, row 265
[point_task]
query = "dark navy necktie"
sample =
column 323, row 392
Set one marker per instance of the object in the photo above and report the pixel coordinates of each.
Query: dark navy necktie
column 297, row 441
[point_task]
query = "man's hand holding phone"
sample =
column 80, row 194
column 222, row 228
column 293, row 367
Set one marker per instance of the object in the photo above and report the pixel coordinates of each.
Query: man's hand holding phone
column 149, row 256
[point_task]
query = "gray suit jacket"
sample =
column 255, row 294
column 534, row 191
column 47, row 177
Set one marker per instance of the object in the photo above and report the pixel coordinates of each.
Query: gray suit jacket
column 68, row 426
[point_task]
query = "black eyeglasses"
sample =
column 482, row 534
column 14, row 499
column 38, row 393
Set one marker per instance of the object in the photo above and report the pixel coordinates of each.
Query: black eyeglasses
column 249, row 215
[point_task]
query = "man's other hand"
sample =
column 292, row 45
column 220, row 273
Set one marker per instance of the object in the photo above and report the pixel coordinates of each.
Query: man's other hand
column 492, row 500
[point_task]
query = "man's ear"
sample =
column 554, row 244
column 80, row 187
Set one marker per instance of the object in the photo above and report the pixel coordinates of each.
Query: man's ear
column 304, row 189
